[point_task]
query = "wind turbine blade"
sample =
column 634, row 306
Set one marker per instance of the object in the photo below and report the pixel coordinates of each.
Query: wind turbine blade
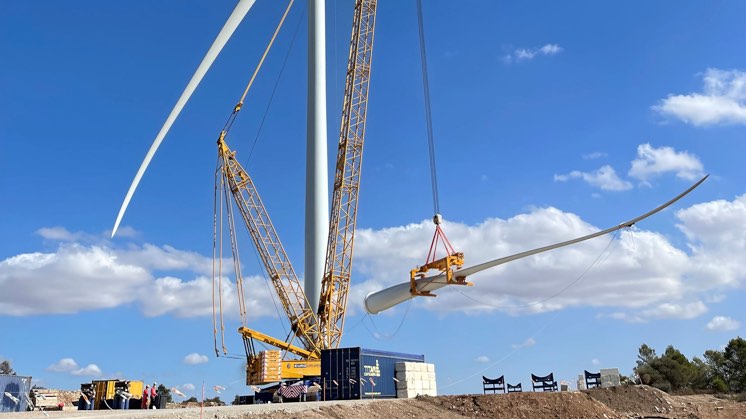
column 382, row 300
column 230, row 26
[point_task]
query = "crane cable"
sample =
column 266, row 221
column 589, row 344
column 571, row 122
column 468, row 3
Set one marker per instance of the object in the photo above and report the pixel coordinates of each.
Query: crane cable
column 439, row 237
column 218, row 269
column 277, row 83
column 428, row 114
column 238, row 106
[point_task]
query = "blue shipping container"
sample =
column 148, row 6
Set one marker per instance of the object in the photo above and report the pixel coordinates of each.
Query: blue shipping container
column 357, row 373
column 18, row 388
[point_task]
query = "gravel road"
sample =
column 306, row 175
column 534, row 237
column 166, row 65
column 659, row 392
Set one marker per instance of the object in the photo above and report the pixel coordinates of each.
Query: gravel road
column 215, row 412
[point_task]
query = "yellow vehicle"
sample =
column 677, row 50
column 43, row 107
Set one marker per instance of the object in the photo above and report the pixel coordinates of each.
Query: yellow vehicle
column 106, row 392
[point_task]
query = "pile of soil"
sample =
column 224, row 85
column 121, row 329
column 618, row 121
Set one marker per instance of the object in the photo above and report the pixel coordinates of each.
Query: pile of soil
column 642, row 400
column 634, row 402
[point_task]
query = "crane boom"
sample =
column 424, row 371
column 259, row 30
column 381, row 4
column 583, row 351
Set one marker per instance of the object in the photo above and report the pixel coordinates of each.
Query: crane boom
column 286, row 283
column 336, row 281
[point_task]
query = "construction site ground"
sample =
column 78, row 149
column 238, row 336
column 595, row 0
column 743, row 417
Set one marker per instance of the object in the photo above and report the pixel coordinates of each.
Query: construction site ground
column 624, row 402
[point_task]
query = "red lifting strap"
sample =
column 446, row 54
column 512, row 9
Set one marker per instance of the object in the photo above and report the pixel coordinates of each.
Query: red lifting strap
column 439, row 237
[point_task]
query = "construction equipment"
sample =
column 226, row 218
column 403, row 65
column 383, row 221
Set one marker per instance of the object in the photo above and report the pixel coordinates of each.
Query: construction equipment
column 105, row 392
column 323, row 329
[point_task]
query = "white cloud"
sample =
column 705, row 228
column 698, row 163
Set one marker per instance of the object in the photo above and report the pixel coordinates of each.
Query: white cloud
column 195, row 358
column 716, row 236
column 68, row 365
column 676, row 311
column 63, row 365
column 722, row 324
column 64, row 235
column 482, row 359
column 663, row 311
column 595, row 362
column 594, row 155
column 79, row 277
column 167, row 258
column 527, row 54
column 639, row 276
column 58, row 233
column 73, row 279
column 722, row 101
column 650, row 162
column 525, row 344
column 188, row 387
column 91, row 370
column 193, row 298
column 123, row 232
column 653, row 161
column 604, row 178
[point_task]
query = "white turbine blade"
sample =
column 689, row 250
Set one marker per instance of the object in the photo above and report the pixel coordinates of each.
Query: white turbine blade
column 382, row 300
column 230, row 26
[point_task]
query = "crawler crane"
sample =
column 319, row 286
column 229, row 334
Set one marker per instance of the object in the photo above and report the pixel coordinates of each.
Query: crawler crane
column 321, row 330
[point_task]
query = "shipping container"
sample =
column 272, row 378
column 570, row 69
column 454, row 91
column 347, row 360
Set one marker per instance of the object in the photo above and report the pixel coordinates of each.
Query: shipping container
column 357, row 373
column 14, row 393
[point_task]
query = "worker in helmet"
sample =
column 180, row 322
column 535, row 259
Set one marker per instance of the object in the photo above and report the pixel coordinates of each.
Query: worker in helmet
column 145, row 398
column 153, row 396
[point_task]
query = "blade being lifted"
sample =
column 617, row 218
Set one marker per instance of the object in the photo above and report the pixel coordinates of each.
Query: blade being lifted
column 382, row 300
column 230, row 26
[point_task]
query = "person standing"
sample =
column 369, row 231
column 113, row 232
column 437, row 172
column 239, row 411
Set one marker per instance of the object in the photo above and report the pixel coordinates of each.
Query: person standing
column 145, row 398
column 153, row 396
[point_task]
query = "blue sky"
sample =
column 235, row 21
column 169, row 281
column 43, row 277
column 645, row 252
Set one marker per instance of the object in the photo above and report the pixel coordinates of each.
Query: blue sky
column 550, row 120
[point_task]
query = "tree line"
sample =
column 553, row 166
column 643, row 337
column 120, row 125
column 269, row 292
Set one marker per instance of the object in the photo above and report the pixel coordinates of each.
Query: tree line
column 722, row 371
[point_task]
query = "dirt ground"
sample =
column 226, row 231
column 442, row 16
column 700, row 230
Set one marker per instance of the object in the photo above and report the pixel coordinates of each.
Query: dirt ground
column 634, row 402
column 613, row 403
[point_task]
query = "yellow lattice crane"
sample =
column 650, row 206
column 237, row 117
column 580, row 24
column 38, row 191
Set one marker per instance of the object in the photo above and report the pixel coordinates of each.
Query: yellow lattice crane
column 313, row 331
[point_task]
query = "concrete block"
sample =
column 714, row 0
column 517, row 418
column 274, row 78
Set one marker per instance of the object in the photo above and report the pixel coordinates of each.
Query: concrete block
column 400, row 375
column 406, row 366
column 409, row 384
column 405, row 394
column 581, row 384
column 430, row 368
column 609, row 371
